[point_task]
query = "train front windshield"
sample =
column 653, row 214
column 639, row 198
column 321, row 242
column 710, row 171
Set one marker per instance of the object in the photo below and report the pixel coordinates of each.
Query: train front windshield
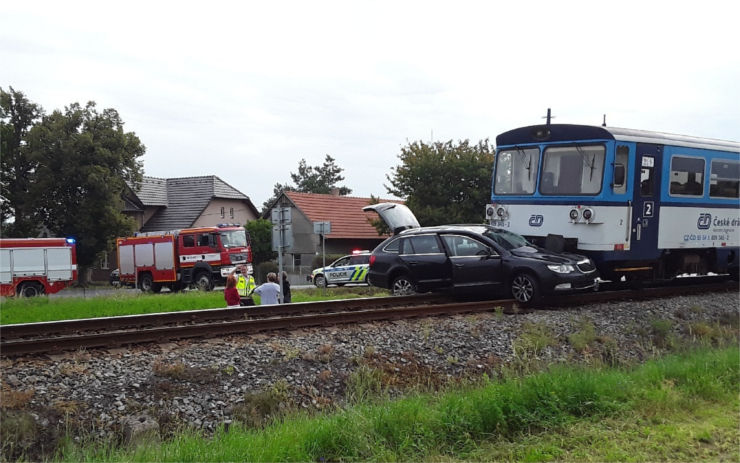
column 566, row 170
column 516, row 171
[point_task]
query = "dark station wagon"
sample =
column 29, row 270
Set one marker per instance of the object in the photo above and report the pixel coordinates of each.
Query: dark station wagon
column 470, row 258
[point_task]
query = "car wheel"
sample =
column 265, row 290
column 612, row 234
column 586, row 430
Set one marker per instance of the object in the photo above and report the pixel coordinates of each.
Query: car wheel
column 319, row 281
column 203, row 282
column 403, row 286
column 525, row 288
column 30, row 289
column 146, row 283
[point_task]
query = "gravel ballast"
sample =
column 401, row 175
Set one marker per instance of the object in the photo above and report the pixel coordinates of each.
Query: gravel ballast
column 205, row 383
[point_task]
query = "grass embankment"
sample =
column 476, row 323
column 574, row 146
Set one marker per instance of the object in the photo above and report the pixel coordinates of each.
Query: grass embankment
column 679, row 408
column 134, row 302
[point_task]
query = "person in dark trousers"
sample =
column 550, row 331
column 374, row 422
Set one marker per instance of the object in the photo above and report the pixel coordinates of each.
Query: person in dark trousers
column 286, row 288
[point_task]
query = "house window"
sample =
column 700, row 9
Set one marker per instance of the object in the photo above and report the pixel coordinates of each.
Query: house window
column 223, row 212
column 296, row 260
column 231, row 212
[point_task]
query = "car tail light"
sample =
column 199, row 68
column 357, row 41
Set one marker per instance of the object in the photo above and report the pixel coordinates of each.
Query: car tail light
column 372, row 259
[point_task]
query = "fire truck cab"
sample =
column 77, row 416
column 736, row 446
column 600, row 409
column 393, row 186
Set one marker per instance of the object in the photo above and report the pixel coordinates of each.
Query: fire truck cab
column 193, row 257
column 35, row 266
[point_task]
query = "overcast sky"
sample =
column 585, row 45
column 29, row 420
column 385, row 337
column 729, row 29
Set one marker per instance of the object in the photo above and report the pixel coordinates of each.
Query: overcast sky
column 245, row 90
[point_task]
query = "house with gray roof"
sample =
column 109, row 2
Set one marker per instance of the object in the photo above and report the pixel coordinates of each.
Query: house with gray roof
column 161, row 204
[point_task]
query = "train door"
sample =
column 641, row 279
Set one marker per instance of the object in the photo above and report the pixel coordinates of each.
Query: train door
column 645, row 206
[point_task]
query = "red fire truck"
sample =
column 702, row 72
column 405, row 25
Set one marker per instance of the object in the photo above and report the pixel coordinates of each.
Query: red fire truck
column 191, row 257
column 34, row 266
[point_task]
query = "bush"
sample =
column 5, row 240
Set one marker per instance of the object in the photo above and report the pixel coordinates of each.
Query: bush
column 260, row 273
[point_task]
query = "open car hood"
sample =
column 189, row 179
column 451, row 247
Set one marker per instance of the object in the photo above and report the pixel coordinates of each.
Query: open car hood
column 397, row 216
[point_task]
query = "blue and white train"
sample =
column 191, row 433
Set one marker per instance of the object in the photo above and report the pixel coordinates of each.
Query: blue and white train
column 643, row 205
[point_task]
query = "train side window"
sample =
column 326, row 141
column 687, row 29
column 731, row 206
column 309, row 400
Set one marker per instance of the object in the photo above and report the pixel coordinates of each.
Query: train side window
column 619, row 185
column 188, row 241
column 724, row 181
column 687, row 176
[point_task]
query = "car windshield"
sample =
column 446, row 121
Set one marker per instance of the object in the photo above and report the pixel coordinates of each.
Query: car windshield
column 234, row 238
column 507, row 239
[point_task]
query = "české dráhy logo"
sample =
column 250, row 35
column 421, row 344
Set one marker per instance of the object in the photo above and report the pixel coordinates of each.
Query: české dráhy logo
column 536, row 220
column 705, row 220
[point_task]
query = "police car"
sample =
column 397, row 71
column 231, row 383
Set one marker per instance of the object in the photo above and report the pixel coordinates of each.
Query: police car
column 347, row 269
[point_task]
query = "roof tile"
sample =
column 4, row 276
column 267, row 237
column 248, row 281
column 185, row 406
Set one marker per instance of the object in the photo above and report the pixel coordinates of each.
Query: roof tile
column 344, row 212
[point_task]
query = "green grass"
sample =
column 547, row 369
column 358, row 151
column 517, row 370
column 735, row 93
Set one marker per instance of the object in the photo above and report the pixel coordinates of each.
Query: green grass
column 134, row 302
column 679, row 408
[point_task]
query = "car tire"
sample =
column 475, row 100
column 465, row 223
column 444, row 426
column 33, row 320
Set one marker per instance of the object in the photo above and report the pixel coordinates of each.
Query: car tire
column 146, row 283
column 30, row 289
column 403, row 286
column 203, row 282
column 319, row 281
column 525, row 289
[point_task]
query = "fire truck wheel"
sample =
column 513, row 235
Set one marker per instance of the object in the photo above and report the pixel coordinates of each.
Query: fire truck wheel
column 146, row 283
column 203, row 282
column 30, row 289
column 156, row 287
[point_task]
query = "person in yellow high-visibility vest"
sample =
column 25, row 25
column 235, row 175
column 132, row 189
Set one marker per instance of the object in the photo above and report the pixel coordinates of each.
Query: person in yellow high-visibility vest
column 244, row 286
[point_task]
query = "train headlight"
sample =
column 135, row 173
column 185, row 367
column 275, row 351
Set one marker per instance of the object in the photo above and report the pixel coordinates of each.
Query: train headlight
column 490, row 211
column 501, row 212
column 588, row 214
column 573, row 214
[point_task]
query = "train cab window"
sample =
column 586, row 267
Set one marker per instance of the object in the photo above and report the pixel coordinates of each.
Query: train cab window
column 516, row 171
column 572, row 170
column 724, row 181
column 687, row 176
column 188, row 241
column 619, row 184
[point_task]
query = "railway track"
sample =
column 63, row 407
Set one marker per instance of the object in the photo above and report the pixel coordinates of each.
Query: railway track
column 52, row 337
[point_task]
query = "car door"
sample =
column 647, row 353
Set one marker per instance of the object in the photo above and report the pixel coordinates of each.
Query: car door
column 426, row 261
column 476, row 266
column 339, row 271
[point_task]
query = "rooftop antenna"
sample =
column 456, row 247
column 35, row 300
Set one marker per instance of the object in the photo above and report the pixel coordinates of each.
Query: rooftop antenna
column 603, row 124
column 548, row 117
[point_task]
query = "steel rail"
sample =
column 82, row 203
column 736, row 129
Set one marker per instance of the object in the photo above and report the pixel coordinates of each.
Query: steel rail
column 20, row 330
column 208, row 330
column 219, row 322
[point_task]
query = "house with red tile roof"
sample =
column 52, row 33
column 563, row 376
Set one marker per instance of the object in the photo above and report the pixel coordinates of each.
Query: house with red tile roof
column 350, row 226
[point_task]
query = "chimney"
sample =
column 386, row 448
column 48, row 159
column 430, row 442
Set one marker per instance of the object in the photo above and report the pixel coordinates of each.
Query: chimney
column 335, row 191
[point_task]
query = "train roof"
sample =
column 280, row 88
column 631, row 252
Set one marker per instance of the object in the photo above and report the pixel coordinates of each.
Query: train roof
column 571, row 132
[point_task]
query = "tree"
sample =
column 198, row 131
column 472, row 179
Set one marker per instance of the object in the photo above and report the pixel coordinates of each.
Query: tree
column 442, row 182
column 319, row 179
column 84, row 159
column 17, row 116
column 312, row 179
column 260, row 232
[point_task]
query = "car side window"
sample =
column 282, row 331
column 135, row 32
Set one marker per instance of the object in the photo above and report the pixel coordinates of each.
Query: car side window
column 359, row 260
column 341, row 262
column 459, row 246
column 393, row 246
column 421, row 244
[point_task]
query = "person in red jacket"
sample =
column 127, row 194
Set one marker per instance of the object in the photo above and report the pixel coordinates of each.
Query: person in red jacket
column 230, row 293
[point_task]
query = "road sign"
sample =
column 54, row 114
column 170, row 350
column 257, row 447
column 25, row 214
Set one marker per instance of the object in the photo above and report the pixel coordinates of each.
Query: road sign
column 287, row 237
column 322, row 228
column 281, row 215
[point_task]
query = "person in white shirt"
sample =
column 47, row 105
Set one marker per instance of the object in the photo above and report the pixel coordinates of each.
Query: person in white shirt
column 268, row 292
